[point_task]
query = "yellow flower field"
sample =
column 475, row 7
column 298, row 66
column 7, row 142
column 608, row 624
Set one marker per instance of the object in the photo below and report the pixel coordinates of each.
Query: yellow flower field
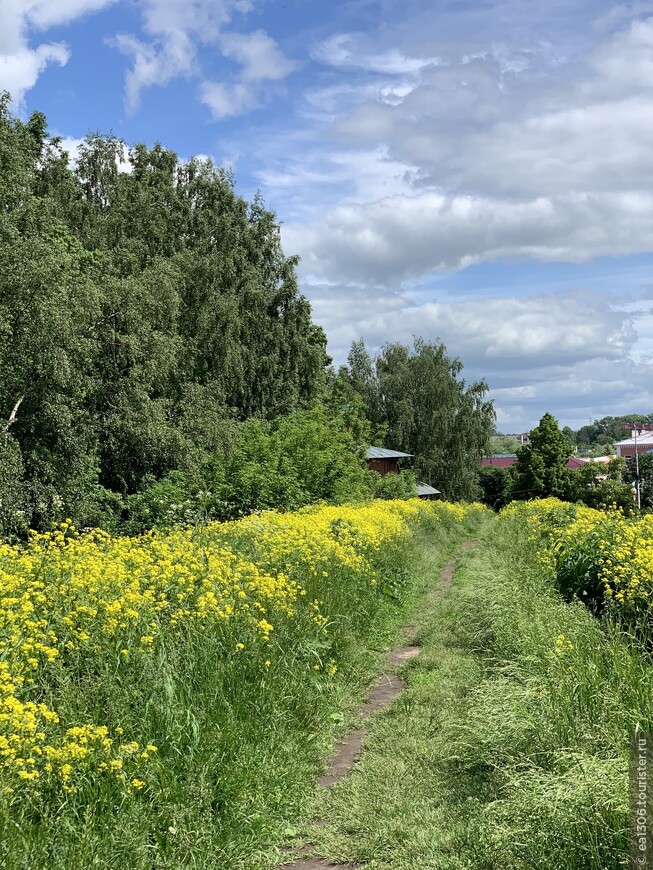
column 71, row 603
column 602, row 557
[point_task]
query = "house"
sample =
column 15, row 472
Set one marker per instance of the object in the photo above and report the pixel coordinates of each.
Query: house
column 641, row 442
column 385, row 461
column 505, row 460
column 501, row 460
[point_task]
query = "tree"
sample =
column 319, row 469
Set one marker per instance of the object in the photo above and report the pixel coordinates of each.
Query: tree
column 496, row 484
column 600, row 485
column 426, row 408
column 141, row 315
column 645, row 462
column 540, row 470
column 504, row 444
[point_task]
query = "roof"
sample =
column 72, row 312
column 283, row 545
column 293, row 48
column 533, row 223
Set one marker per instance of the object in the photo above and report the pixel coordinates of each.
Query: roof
column 498, row 461
column 382, row 453
column 425, row 489
column 641, row 439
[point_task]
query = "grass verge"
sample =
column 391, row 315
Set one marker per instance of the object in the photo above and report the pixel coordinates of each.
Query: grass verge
column 508, row 750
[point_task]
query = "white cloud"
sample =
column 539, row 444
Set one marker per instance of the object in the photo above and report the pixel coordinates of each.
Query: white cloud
column 260, row 59
column 259, row 55
column 20, row 70
column 154, row 66
column 227, row 100
column 390, row 240
column 344, row 50
column 20, row 63
column 174, row 31
column 47, row 13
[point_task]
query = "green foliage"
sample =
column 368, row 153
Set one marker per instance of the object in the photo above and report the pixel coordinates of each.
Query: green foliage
column 299, row 459
column 599, row 486
column 645, row 462
column 540, row 468
column 141, row 314
column 420, row 400
column 13, row 507
column 496, row 485
column 504, row 444
column 402, row 485
column 604, row 432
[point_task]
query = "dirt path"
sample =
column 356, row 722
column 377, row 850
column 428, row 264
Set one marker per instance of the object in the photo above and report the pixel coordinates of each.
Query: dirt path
column 347, row 752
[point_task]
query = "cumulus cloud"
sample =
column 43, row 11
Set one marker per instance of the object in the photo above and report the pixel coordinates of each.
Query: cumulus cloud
column 389, row 240
column 154, row 65
column 174, row 30
column 226, row 100
column 258, row 54
column 21, row 64
column 518, row 133
column 566, row 352
column 260, row 60
column 492, row 335
column 19, row 71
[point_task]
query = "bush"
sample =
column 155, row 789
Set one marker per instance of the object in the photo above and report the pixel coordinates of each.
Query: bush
column 391, row 486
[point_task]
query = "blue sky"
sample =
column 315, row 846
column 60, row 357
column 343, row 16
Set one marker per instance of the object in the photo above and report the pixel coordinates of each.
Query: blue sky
column 481, row 172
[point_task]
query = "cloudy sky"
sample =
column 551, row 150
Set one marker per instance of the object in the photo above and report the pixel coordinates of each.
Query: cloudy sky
column 479, row 171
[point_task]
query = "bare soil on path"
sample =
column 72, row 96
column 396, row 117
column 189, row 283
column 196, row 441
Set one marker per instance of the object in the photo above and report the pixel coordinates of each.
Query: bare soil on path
column 385, row 690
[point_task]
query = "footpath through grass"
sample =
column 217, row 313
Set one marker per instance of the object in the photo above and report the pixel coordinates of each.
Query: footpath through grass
column 508, row 750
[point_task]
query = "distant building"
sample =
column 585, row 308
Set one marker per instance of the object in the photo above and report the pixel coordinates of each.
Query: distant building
column 501, row 460
column 642, row 442
column 505, row 460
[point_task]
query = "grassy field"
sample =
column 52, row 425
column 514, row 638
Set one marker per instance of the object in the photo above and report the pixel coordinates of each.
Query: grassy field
column 166, row 701
column 509, row 748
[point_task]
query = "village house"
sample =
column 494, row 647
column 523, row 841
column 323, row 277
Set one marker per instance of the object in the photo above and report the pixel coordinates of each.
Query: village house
column 505, row 460
column 640, row 442
column 385, row 461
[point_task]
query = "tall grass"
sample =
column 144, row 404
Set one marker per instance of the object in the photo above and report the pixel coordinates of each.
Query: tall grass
column 547, row 725
column 165, row 701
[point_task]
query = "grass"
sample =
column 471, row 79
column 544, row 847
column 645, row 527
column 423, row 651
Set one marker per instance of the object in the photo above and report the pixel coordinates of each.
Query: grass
column 239, row 744
column 508, row 750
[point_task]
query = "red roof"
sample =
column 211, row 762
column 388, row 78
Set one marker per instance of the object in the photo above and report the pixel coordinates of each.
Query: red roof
column 507, row 459
column 498, row 461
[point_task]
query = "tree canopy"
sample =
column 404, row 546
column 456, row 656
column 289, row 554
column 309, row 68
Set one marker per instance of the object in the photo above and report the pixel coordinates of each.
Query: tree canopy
column 540, row 470
column 142, row 313
column 418, row 402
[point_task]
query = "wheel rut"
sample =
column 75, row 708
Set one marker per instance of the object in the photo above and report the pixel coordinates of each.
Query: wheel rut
column 347, row 751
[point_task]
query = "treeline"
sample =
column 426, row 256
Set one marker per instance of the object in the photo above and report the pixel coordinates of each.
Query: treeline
column 600, row 435
column 158, row 362
column 540, row 472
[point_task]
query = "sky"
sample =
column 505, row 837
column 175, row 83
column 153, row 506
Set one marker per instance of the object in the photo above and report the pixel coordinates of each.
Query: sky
column 474, row 171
